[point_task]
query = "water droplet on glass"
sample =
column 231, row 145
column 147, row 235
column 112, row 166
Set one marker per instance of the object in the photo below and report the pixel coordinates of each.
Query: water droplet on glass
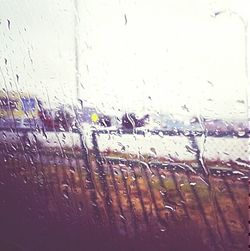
column 80, row 206
column 65, row 194
column 122, row 217
column 152, row 149
column 161, row 134
column 8, row 23
column 169, row 208
column 241, row 133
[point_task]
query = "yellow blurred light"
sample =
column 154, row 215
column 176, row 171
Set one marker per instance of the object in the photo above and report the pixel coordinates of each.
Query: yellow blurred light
column 94, row 117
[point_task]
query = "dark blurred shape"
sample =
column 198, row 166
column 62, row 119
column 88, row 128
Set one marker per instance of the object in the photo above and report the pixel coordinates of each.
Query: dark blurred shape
column 47, row 120
column 105, row 121
column 130, row 121
column 64, row 119
column 60, row 119
column 45, row 117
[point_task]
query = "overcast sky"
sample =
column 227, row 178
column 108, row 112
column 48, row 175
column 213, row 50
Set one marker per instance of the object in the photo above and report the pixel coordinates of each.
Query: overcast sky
column 138, row 55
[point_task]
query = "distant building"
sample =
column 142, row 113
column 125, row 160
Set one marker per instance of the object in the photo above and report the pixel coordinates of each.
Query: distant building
column 18, row 110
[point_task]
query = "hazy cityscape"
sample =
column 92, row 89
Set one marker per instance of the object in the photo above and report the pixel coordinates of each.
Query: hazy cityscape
column 124, row 125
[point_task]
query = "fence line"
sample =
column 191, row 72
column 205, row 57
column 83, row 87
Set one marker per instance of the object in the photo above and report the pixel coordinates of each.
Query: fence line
column 129, row 194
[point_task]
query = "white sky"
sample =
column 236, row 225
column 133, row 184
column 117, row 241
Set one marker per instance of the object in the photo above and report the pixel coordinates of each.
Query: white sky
column 172, row 51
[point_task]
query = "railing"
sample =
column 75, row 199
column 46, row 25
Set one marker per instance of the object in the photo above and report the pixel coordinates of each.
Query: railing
column 129, row 196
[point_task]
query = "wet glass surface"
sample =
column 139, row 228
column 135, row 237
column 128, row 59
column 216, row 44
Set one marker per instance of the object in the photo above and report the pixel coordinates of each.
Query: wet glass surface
column 124, row 125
